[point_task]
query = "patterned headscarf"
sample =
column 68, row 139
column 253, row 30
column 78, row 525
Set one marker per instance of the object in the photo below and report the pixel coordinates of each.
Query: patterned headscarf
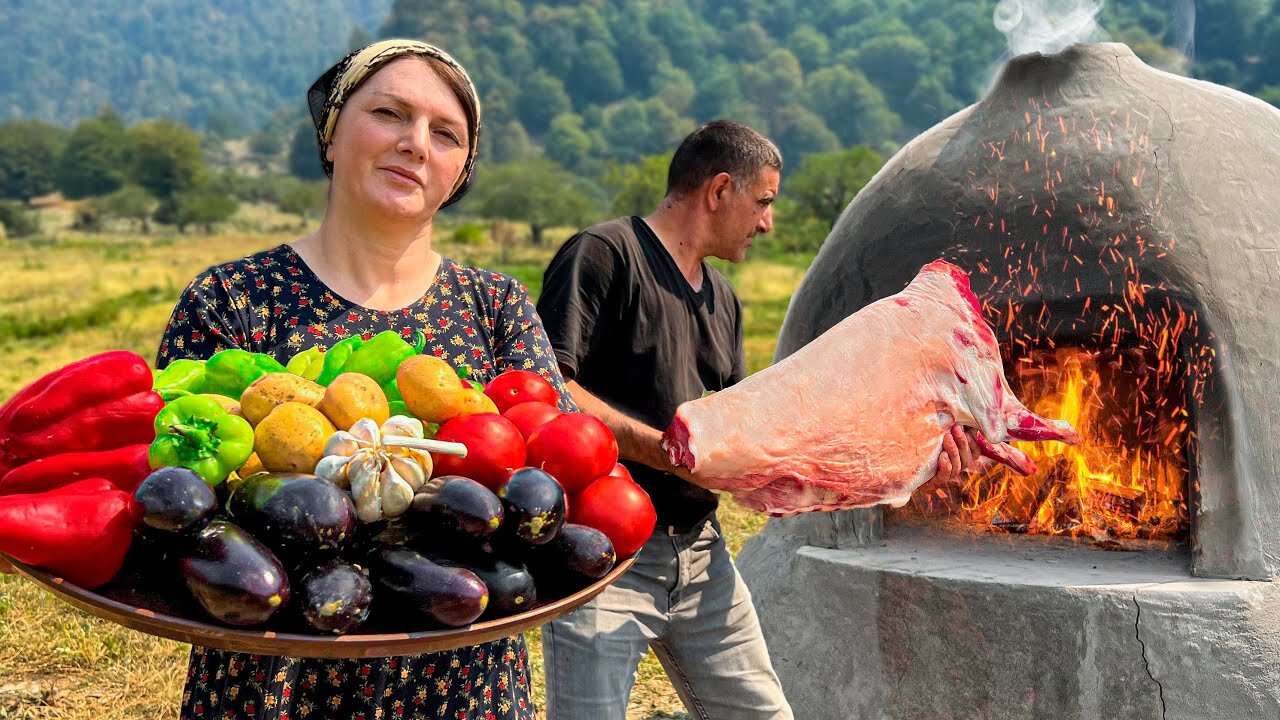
column 332, row 90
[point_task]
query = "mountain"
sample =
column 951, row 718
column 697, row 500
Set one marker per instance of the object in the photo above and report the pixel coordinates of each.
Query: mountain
column 594, row 82
column 229, row 63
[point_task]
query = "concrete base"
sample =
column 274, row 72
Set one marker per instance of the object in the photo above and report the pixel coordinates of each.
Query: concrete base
column 929, row 627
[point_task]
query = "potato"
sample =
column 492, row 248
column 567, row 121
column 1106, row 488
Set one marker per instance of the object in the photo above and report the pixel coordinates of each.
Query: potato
column 274, row 389
column 430, row 388
column 352, row 396
column 292, row 437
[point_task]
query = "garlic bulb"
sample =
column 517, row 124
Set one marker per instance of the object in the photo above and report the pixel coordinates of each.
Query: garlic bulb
column 382, row 478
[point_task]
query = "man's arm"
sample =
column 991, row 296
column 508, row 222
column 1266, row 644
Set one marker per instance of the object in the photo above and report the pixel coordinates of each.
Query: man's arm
column 636, row 441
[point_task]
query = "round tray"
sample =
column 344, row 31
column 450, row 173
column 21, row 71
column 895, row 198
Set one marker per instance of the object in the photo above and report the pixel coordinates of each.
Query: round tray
column 266, row 642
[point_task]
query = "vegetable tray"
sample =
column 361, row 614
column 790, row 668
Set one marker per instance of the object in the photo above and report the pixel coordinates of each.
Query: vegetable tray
column 152, row 614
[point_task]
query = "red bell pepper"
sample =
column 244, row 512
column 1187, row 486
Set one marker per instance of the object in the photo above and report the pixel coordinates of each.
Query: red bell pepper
column 80, row 532
column 102, row 402
column 125, row 467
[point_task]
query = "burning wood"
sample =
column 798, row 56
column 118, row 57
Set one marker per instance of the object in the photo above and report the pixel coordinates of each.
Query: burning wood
column 1126, row 480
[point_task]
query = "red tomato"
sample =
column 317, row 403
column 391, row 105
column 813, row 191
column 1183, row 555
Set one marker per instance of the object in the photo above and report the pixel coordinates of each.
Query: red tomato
column 494, row 448
column 575, row 448
column 620, row 471
column 617, row 507
column 529, row 416
column 520, row 386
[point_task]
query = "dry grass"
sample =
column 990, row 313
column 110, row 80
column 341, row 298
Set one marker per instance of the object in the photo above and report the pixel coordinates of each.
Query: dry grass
column 62, row 299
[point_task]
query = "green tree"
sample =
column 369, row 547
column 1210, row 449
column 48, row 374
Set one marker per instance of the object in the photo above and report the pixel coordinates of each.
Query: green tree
column 166, row 157
column 681, row 32
column 542, row 97
column 304, row 154
column 595, row 75
column 538, row 192
column 29, row 151
column 131, row 202
column 17, row 220
column 675, row 89
column 773, row 82
column 809, row 46
column 302, row 198
column 627, row 130
column 200, row 206
column 569, row 144
column 853, row 108
column 895, row 64
column 825, row 183
column 799, row 133
column 95, row 159
column 507, row 141
column 639, row 188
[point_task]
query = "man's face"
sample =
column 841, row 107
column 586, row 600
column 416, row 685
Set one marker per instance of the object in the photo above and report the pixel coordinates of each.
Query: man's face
column 745, row 214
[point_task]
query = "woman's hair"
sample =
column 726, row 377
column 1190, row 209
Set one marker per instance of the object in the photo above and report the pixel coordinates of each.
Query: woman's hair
column 721, row 146
column 331, row 91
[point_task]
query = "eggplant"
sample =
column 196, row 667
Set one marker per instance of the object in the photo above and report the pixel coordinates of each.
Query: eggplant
column 580, row 550
column 511, row 586
column 296, row 514
column 176, row 500
column 235, row 578
column 335, row 597
column 407, row 584
column 463, row 510
column 533, row 505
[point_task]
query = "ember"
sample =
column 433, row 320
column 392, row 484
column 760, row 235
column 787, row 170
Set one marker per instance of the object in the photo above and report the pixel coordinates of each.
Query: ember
column 1126, row 480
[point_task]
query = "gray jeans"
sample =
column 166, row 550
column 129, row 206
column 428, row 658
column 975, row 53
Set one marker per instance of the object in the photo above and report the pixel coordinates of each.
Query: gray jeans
column 684, row 598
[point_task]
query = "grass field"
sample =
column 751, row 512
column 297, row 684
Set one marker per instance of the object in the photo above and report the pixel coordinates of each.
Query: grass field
column 62, row 299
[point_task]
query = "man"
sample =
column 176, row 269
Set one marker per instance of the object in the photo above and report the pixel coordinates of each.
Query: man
column 641, row 323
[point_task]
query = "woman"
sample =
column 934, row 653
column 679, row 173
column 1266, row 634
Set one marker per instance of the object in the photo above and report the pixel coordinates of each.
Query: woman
column 398, row 126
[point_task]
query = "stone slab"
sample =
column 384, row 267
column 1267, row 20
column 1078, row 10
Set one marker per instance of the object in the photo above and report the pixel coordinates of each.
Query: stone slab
column 935, row 627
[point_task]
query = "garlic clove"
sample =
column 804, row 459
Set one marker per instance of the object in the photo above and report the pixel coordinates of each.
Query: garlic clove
column 334, row 469
column 366, row 492
column 402, row 426
column 397, row 495
column 342, row 443
column 364, row 472
column 409, row 470
column 366, row 431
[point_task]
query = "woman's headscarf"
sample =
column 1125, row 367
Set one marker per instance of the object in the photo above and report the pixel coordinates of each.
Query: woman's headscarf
column 332, row 90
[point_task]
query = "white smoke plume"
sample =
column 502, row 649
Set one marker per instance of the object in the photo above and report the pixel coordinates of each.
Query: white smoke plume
column 1048, row 26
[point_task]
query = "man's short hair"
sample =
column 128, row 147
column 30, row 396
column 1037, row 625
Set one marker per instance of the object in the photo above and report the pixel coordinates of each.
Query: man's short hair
column 721, row 146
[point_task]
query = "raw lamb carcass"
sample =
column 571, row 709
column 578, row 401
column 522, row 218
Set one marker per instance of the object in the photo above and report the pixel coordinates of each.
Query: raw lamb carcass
column 857, row 417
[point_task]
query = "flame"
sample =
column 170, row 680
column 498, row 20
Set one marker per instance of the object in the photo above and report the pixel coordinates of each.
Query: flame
column 1106, row 488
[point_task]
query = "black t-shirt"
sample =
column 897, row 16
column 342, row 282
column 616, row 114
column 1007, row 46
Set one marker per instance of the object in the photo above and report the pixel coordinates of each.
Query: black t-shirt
column 627, row 326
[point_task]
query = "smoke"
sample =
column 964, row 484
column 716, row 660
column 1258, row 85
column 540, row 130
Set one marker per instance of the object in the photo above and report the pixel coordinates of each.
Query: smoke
column 1048, row 26
column 1184, row 28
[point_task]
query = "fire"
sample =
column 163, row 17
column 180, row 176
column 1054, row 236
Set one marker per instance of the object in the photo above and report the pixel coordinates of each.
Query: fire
column 1124, row 481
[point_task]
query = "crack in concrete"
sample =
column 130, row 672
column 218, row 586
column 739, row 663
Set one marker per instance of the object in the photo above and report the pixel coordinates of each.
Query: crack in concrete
column 1137, row 633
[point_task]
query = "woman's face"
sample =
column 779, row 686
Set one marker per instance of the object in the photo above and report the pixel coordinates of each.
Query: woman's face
column 400, row 142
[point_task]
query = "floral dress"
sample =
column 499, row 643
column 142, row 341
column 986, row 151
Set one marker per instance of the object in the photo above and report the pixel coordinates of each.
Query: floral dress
column 271, row 302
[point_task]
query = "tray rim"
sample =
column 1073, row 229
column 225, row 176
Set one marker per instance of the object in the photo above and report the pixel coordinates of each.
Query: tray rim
column 351, row 646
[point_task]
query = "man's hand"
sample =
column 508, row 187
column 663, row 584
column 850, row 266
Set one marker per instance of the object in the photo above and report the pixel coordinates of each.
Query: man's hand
column 960, row 453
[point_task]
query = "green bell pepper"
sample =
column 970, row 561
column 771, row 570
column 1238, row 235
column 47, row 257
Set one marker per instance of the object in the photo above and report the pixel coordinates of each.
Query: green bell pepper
column 231, row 371
column 181, row 378
column 307, row 363
column 197, row 433
column 380, row 357
column 336, row 356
